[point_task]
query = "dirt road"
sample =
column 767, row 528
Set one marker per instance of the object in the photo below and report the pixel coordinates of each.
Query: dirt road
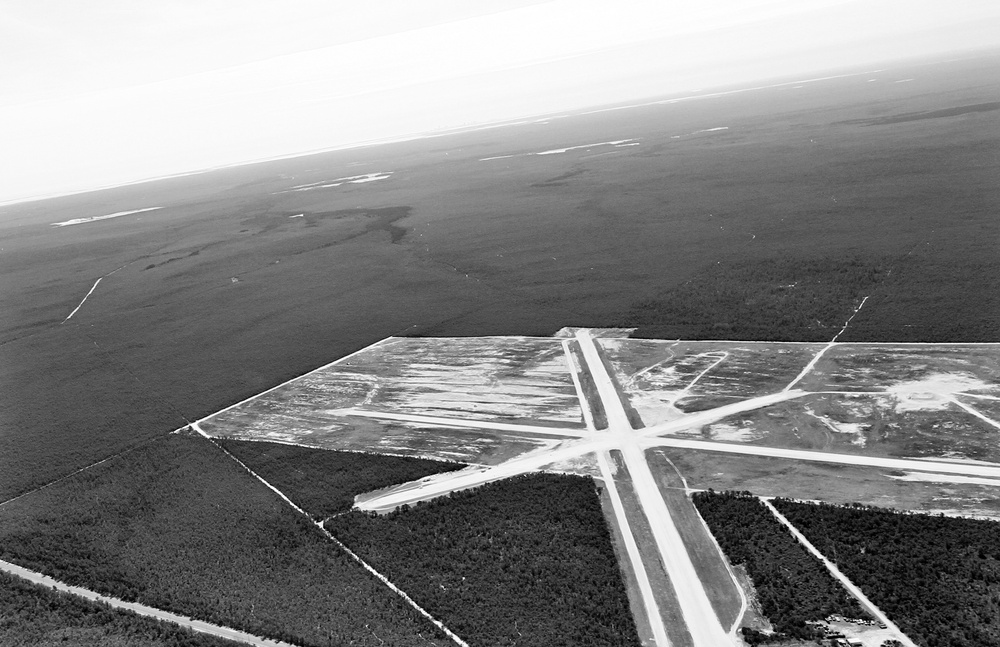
column 699, row 616
column 848, row 584
column 141, row 609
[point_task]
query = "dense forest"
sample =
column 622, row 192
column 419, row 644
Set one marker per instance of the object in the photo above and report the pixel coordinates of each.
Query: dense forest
column 39, row 616
column 771, row 299
column 793, row 587
column 944, row 290
column 525, row 561
column 179, row 525
column 97, row 412
column 324, row 482
column 937, row 577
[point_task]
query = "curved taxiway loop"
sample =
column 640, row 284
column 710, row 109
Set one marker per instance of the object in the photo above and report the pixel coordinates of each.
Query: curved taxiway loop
column 700, row 418
column 141, row 609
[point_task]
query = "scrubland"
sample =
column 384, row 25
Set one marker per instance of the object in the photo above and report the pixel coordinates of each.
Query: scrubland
column 767, row 215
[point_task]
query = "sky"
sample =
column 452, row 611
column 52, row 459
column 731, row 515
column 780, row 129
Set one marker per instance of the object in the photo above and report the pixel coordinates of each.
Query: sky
column 107, row 92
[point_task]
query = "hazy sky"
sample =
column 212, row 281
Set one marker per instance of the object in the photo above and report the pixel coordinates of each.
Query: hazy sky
column 102, row 92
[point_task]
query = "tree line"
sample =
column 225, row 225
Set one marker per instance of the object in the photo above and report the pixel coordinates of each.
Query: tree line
column 769, row 299
column 937, row 577
column 180, row 526
column 793, row 587
column 525, row 561
column 38, row 615
column 325, row 482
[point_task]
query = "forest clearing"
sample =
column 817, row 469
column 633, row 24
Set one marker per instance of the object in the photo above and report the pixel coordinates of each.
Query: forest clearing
column 514, row 406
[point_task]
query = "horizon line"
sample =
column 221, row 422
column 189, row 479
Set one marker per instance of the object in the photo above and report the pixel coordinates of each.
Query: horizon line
column 702, row 93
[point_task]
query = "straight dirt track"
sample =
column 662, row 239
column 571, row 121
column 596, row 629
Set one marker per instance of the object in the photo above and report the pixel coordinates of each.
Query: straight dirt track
column 622, row 435
column 194, row 625
column 836, row 573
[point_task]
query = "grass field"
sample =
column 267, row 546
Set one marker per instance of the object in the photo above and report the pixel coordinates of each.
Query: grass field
column 663, row 589
column 869, row 367
column 663, row 378
column 638, row 608
column 705, row 555
column 869, row 425
column 842, row 484
column 509, row 381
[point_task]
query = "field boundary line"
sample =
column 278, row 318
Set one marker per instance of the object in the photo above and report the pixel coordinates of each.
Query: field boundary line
column 816, row 343
column 833, row 342
column 836, row 573
column 384, row 340
column 80, row 305
column 94, row 286
column 289, row 381
column 85, row 468
column 334, row 449
column 319, row 524
column 200, row 626
column 632, row 378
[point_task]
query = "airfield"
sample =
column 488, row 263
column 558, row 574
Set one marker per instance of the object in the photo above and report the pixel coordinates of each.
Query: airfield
column 915, row 424
column 516, row 299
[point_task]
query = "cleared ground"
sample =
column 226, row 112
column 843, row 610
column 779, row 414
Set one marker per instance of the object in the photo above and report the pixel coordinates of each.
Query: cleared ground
column 495, row 398
column 516, row 381
column 217, row 286
column 787, row 416
column 837, row 483
column 451, row 245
